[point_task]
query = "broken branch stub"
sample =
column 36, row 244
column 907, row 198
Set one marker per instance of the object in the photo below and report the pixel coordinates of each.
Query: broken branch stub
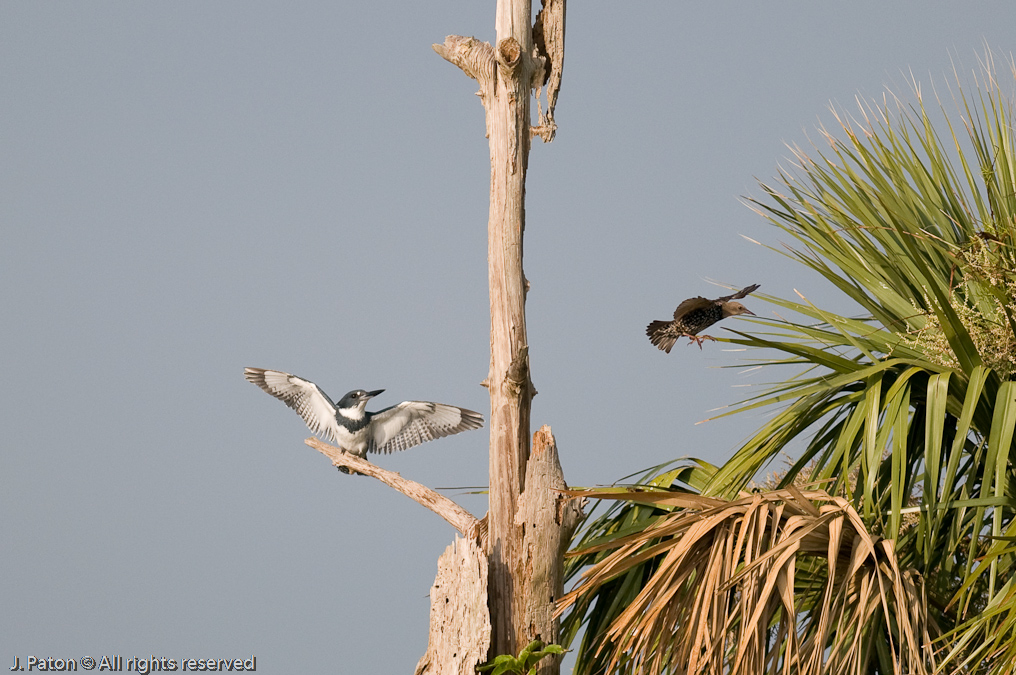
column 475, row 58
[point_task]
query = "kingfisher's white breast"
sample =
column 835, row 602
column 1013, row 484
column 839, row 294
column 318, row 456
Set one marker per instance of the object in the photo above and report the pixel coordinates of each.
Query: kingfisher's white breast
column 354, row 442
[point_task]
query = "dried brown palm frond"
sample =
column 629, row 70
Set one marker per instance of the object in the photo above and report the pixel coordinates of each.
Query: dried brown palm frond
column 732, row 580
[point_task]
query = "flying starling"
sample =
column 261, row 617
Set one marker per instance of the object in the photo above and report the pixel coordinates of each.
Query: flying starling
column 693, row 316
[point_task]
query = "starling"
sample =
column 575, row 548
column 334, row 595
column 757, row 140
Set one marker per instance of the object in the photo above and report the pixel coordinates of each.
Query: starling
column 695, row 315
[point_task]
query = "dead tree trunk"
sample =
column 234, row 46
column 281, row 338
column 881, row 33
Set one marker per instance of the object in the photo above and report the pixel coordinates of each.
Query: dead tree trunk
column 525, row 58
column 510, row 387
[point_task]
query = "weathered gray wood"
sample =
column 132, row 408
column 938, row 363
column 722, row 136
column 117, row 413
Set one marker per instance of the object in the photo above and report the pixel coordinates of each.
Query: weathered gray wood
column 459, row 622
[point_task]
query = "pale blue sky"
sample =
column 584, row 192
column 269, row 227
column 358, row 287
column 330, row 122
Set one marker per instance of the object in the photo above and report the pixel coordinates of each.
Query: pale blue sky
column 188, row 188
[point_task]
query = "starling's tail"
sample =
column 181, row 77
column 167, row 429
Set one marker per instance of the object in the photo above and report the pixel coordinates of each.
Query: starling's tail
column 659, row 337
column 654, row 327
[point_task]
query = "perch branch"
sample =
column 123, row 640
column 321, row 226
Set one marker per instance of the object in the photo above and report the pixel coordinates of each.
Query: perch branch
column 462, row 520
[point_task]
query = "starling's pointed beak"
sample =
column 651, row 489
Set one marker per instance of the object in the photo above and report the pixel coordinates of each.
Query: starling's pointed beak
column 372, row 394
column 748, row 311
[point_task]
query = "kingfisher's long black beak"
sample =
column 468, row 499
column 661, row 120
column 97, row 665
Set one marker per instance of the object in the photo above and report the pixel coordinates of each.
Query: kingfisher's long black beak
column 372, row 394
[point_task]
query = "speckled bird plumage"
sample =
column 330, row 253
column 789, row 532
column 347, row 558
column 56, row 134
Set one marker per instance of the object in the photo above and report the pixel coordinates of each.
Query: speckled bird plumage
column 693, row 316
column 355, row 430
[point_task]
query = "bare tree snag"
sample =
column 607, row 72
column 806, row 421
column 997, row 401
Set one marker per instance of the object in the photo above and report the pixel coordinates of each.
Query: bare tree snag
column 459, row 622
column 462, row 520
column 548, row 34
column 548, row 519
column 507, row 73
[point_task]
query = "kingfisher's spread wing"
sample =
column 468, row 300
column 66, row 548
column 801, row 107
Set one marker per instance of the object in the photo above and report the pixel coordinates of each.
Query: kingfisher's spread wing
column 690, row 305
column 743, row 293
column 413, row 422
column 303, row 396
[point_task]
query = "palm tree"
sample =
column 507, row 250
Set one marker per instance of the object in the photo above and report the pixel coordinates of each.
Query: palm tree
column 887, row 546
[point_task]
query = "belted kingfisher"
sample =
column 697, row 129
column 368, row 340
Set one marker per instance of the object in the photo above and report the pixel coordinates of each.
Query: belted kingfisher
column 695, row 315
column 355, row 430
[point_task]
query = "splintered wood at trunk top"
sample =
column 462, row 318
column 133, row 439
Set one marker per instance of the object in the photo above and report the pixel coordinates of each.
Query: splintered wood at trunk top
column 459, row 626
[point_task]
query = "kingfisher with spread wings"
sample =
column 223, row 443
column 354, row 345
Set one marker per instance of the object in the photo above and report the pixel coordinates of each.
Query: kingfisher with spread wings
column 351, row 427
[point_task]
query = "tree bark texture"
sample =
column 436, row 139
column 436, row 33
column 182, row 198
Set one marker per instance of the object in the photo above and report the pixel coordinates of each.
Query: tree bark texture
column 459, row 621
column 508, row 381
column 548, row 519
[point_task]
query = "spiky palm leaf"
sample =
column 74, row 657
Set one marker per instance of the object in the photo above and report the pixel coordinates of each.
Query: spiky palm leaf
column 909, row 412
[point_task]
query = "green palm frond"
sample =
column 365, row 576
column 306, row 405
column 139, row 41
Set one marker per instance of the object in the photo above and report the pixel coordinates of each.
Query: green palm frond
column 906, row 411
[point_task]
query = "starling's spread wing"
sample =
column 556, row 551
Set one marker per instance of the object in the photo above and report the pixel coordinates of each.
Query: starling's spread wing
column 743, row 293
column 413, row 422
column 303, row 396
column 690, row 305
